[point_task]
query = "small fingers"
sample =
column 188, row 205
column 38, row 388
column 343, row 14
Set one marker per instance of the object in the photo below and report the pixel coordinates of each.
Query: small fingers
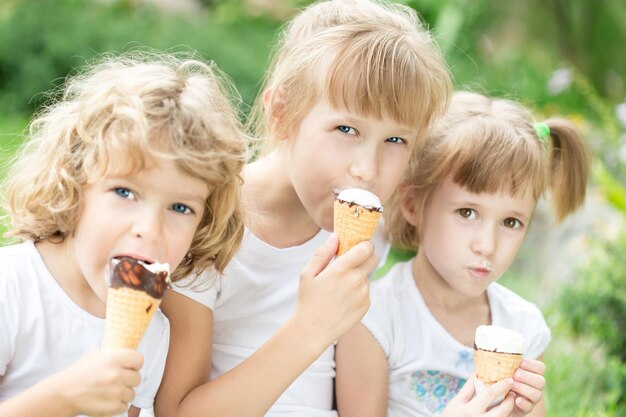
column 358, row 255
column 321, row 257
column 126, row 358
column 529, row 385
column 131, row 378
column 533, row 365
column 504, row 409
column 495, row 391
column 468, row 390
column 524, row 404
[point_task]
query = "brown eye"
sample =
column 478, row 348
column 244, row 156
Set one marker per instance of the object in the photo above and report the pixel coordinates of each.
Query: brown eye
column 465, row 212
column 512, row 223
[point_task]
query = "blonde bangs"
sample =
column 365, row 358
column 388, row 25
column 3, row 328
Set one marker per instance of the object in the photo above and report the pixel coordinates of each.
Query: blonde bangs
column 377, row 75
column 382, row 64
column 498, row 160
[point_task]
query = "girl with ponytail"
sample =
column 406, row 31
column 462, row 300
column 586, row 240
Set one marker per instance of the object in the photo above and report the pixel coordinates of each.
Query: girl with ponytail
column 464, row 205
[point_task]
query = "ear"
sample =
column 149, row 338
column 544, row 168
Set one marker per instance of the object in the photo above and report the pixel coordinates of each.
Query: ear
column 409, row 203
column 274, row 105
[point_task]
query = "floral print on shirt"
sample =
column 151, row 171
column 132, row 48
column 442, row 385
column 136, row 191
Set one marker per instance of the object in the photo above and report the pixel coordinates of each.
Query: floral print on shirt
column 434, row 389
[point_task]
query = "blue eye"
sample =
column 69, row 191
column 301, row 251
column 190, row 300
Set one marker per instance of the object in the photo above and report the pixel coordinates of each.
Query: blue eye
column 396, row 139
column 181, row 208
column 347, row 130
column 123, row 192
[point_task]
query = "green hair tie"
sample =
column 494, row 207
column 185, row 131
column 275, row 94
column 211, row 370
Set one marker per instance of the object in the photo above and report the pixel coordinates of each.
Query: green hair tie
column 542, row 130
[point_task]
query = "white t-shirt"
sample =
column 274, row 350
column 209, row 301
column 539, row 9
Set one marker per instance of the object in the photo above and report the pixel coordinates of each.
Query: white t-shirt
column 254, row 298
column 427, row 366
column 44, row 331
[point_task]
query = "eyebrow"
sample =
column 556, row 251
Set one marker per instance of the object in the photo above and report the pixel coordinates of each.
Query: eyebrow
column 468, row 204
column 191, row 197
column 520, row 214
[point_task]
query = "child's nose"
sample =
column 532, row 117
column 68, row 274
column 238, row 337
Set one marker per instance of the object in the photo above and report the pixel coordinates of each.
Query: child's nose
column 484, row 241
column 365, row 164
column 148, row 225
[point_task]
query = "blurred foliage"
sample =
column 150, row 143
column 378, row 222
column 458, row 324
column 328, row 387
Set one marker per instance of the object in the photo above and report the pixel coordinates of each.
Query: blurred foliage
column 41, row 41
column 596, row 307
column 582, row 382
column 535, row 34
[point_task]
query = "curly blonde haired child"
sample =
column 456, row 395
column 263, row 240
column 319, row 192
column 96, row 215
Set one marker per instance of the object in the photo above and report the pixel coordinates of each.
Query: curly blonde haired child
column 464, row 205
column 141, row 157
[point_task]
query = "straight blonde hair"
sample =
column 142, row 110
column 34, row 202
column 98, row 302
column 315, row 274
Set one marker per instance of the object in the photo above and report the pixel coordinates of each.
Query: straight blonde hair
column 371, row 57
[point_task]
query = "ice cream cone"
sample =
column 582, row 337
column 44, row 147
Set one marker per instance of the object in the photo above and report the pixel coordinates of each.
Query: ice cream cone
column 497, row 354
column 128, row 314
column 492, row 367
column 134, row 294
column 355, row 221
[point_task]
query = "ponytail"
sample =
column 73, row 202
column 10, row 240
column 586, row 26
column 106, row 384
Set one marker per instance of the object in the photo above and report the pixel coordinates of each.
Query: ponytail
column 569, row 162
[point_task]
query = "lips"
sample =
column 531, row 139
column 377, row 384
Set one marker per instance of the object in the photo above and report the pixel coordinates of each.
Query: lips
column 480, row 271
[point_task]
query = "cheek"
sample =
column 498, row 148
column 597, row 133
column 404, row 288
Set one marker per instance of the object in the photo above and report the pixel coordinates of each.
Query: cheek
column 179, row 243
column 390, row 177
column 511, row 252
column 96, row 276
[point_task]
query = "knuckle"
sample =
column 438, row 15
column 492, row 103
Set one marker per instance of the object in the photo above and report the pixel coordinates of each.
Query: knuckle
column 542, row 367
column 537, row 396
column 542, row 383
column 121, row 408
column 303, row 275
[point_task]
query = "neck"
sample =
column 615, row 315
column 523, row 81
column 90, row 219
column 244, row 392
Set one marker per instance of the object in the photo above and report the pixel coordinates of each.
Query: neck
column 62, row 264
column 274, row 212
column 459, row 314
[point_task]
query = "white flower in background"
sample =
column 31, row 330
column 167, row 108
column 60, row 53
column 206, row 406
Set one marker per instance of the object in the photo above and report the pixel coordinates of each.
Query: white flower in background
column 620, row 112
column 560, row 81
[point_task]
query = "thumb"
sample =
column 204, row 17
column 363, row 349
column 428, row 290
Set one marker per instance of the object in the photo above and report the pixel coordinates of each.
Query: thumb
column 468, row 390
column 321, row 257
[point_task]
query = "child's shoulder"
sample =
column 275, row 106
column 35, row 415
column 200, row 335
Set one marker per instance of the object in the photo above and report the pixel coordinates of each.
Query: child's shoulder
column 13, row 257
column 396, row 280
column 501, row 296
column 512, row 311
column 14, row 272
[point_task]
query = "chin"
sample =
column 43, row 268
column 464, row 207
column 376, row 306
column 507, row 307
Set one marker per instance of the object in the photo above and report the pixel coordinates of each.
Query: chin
column 325, row 221
column 327, row 226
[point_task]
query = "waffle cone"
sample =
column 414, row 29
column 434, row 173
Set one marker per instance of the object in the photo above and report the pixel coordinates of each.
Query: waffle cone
column 492, row 367
column 128, row 315
column 353, row 224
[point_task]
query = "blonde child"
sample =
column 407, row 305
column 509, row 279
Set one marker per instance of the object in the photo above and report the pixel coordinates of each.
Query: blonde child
column 141, row 157
column 339, row 105
column 464, row 205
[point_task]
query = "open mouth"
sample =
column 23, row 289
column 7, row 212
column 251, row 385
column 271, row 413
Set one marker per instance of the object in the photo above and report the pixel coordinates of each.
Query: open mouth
column 117, row 259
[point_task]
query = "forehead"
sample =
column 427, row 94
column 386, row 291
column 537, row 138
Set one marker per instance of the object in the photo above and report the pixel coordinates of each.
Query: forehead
column 451, row 193
column 323, row 109
column 164, row 173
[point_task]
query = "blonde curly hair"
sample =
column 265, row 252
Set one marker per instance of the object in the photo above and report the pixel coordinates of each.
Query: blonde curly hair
column 117, row 116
